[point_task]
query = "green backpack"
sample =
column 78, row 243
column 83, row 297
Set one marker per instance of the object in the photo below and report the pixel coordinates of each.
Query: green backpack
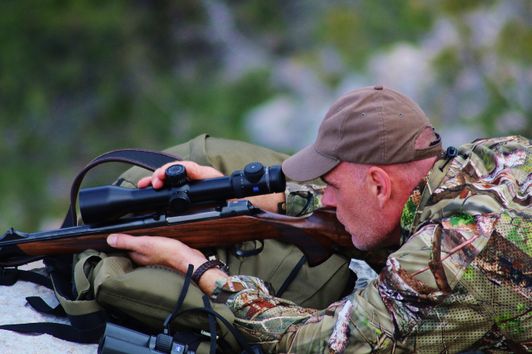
column 94, row 288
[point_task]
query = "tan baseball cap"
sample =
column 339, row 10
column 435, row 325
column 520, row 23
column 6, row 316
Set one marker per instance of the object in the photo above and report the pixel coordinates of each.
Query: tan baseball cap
column 371, row 125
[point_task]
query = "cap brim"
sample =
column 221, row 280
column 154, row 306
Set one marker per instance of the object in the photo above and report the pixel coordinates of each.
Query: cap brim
column 308, row 164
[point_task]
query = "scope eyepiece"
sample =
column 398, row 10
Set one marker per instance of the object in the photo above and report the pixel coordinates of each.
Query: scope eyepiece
column 108, row 203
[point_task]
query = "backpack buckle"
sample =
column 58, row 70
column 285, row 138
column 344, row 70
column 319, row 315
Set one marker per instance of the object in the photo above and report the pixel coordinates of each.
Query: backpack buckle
column 8, row 275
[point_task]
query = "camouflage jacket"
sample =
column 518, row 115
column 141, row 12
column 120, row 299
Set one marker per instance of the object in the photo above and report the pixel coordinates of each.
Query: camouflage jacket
column 461, row 281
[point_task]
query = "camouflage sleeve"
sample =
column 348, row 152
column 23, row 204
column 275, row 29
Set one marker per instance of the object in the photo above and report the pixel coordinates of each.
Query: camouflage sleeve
column 354, row 324
column 302, row 199
column 402, row 307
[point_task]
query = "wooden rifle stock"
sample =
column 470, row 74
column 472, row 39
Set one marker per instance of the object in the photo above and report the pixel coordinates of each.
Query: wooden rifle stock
column 318, row 235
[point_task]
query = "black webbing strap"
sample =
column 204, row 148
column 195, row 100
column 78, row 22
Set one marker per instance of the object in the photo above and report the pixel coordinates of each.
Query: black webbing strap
column 41, row 306
column 93, row 328
column 242, row 341
column 150, row 160
column 291, row 277
column 87, row 328
column 180, row 300
column 212, row 324
column 9, row 276
column 18, row 261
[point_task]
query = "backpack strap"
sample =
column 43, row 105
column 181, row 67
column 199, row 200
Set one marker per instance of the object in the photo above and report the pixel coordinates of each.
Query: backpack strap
column 41, row 306
column 292, row 276
column 58, row 330
column 86, row 326
column 242, row 341
column 212, row 324
column 9, row 276
column 180, row 300
column 86, row 317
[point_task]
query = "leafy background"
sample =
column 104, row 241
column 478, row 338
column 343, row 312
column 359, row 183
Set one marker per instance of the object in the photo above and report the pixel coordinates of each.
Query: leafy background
column 81, row 77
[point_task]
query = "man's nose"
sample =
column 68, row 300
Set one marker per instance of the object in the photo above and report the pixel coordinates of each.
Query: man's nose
column 328, row 199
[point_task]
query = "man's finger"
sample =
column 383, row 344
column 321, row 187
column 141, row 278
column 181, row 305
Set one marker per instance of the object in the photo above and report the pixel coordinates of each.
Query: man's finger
column 195, row 171
column 123, row 241
column 144, row 182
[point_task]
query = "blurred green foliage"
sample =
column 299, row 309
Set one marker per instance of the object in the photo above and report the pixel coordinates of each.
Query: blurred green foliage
column 81, row 77
column 357, row 31
column 515, row 40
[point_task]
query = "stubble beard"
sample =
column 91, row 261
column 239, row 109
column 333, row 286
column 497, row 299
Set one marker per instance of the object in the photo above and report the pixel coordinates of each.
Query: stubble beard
column 373, row 232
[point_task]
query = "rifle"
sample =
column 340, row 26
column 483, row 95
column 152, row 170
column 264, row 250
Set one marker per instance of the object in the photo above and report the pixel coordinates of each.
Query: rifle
column 199, row 213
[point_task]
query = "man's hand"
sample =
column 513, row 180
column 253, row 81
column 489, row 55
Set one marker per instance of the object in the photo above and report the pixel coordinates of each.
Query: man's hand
column 267, row 202
column 155, row 250
column 194, row 172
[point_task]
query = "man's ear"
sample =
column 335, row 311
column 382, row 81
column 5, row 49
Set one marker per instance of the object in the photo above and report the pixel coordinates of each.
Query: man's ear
column 380, row 185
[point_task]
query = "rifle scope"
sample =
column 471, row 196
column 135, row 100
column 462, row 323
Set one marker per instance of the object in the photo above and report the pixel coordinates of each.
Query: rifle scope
column 107, row 203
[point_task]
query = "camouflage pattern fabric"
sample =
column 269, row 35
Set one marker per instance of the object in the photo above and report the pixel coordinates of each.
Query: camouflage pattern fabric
column 461, row 282
column 302, row 199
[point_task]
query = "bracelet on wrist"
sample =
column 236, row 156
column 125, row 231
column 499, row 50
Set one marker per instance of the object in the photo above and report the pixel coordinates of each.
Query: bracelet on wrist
column 198, row 273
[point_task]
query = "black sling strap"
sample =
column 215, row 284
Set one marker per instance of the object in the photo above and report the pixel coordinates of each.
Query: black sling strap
column 291, row 277
column 84, row 329
column 9, row 276
column 239, row 337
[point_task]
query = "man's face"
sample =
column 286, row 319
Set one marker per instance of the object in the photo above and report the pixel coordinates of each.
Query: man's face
column 356, row 206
